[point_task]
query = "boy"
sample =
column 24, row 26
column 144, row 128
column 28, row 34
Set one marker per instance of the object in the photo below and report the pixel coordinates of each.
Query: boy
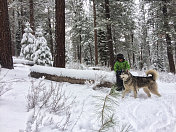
column 120, row 66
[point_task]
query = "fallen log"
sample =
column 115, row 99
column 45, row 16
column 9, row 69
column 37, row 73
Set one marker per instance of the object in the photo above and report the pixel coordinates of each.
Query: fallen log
column 57, row 78
column 67, row 75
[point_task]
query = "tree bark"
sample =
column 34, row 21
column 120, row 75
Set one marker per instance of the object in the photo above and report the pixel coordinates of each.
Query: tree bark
column 19, row 35
column 59, row 57
column 22, row 15
column 31, row 7
column 168, row 38
column 109, row 34
column 132, row 41
column 80, row 48
column 50, row 33
column 170, row 54
column 13, row 32
column 95, row 34
column 5, row 37
column 91, row 57
column 141, row 58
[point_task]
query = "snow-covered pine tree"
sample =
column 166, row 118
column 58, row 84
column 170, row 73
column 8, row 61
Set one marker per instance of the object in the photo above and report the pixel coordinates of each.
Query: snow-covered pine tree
column 79, row 21
column 42, row 54
column 103, row 48
column 27, row 42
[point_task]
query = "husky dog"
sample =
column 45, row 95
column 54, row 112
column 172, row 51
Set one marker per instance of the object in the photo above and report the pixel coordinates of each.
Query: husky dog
column 148, row 83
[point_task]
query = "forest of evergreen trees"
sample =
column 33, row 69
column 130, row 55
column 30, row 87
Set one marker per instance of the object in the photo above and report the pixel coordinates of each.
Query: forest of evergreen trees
column 91, row 31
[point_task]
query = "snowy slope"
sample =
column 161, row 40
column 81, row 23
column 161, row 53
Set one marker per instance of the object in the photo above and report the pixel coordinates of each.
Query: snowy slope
column 155, row 114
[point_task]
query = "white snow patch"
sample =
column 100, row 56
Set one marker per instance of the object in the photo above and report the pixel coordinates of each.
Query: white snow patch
column 155, row 114
column 78, row 74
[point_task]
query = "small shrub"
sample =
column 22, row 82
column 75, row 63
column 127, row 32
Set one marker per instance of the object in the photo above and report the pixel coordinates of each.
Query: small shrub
column 48, row 106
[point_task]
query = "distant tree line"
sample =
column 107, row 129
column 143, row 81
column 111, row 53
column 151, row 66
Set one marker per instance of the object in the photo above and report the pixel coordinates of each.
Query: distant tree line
column 94, row 31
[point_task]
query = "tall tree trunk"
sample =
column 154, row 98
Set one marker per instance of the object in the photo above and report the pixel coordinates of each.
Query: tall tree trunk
column 78, row 56
column 59, row 57
column 175, row 40
column 31, row 7
column 22, row 15
column 129, row 59
column 5, row 37
column 13, row 32
column 18, row 36
column 50, row 33
column 109, row 34
column 141, row 59
column 132, row 41
column 168, row 38
column 91, row 57
column 115, row 41
column 95, row 34
column 79, row 48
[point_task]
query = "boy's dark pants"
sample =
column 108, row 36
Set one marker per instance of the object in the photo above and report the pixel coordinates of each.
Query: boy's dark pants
column 119, row 81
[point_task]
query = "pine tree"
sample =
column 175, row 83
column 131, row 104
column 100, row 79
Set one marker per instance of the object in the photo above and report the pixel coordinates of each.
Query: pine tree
column 109, row 34
column 59, row 56
column 5, row 37
column 41, row 53
column 27, row 43
column 160, row 21
column 168, row 37
column 18, row 42
column 95, row 33
column 31, row 8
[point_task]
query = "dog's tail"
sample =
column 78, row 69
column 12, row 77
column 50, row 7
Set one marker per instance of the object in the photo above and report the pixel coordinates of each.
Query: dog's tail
column 153, row 73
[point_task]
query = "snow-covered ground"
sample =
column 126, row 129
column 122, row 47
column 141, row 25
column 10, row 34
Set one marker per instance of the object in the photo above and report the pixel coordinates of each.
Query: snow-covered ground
column 155, row 114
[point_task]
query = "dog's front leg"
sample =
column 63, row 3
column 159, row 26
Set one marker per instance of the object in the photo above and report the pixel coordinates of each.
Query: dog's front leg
column 135, row 92
column 124, row 92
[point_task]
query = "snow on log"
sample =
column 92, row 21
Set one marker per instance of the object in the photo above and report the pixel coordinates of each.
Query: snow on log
column 22, row 61
column 101, row 78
